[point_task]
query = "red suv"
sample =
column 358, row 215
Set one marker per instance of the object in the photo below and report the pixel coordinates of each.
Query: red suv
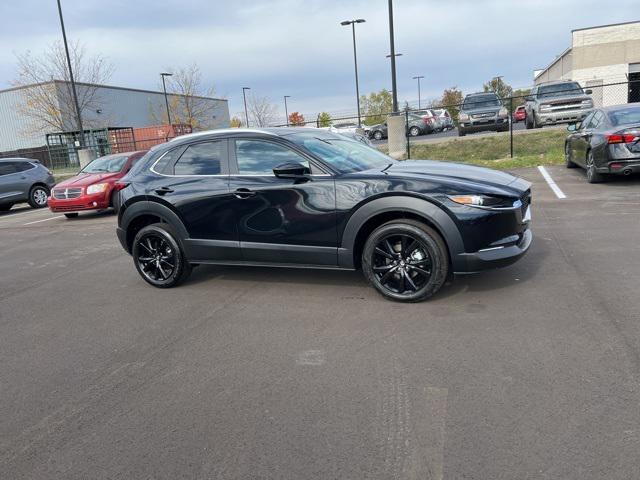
column 93, row 187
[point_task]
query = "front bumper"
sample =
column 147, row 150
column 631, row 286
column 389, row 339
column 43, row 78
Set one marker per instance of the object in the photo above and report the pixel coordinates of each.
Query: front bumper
column 98, row 201
column 496, row 257
column 568, row 116
column 483, row 125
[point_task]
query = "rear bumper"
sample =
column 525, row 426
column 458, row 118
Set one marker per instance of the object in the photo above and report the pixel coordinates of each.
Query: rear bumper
column 495, row 257
column 622, row 167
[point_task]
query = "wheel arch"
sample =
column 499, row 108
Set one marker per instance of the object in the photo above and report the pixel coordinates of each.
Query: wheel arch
column 142, row 213
column 376, row 212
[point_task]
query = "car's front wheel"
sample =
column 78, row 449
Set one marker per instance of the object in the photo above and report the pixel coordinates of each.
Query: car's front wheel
column 405, row 260
column 567, row 156
column 71, row 215
column 414, row 131
column 158, row 256
column 377, row 135
column 38, row 196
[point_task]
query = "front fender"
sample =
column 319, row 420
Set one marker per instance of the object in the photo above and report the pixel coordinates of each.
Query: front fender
column 417, row 206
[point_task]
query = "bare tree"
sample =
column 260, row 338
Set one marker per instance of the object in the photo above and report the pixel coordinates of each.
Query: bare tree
column 188, row 102
column 261, row 111
column 51, row 103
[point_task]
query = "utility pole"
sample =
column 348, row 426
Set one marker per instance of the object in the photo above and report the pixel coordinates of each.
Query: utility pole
column 393, row 58
column 244, row 96
column 355, row 59
column 166, row 101
column 286, row 111
column 418, row 78
column 73, row 83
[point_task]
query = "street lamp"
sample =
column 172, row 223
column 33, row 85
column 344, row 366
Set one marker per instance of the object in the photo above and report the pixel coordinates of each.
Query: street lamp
column 73, row 83
column 418, row 77
column 355, row 59
column 286, row 112
column 393, row 58
column 166, row 100
column 244, row 96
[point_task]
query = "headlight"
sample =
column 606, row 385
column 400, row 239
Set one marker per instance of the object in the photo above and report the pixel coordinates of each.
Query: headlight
column 503, row 112
column 484, row 201
column 96, row 188
column 464, row 117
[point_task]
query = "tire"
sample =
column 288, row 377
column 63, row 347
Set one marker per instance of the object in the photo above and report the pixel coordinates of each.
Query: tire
column 461, row 133
column 377, row 135
column 535, row 123
column 413, row 278
column 71, row 215
column 592, row 174
column 38, row 196
column 414, row 131
column 158, row 256
column 6, row 207
column 527, row 122
column 567, row 157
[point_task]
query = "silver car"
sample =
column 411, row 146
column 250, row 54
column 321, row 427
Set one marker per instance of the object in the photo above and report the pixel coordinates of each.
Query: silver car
column 24, row 180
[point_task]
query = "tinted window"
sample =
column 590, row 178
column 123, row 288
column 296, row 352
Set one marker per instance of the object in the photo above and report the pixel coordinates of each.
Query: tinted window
column 596, row 120
column 625, row 116
column 201, row 159
column 24, row 166
column 166, row 161
column 7, row 167
column 481, row 101
column 560, row 90
column 586, row 120
column 256, row 157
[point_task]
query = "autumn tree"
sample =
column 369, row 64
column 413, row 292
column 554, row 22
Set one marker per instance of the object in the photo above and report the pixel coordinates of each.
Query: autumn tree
column 236, row 122
column 376, row 106
column 261, row 110
column 499, row 87
column 324, row 120
column 451, row 99
column 296, row 119
column 48, row 101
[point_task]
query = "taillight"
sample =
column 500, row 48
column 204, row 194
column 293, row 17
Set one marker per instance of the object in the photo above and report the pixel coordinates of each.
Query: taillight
column 625, row 136
column 117, row 186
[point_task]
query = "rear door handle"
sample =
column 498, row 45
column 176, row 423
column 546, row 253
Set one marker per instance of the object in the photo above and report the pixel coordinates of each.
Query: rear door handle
column 163, row 190
column 244, row 193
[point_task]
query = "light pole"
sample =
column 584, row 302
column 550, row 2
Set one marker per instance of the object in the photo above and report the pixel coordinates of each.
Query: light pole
column 355, row 59
column 73, row 83
column 393, row 58
column 244, row 96
column 286, row 112
column 166, row 100
column 418, row 77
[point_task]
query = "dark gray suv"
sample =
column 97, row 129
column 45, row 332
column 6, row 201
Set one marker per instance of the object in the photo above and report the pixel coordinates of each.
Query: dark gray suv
column 482, row 112
column 24, row 180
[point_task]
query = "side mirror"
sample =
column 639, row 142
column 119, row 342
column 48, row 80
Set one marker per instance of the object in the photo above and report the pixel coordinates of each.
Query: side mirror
column 291, row 170
column 572, row 127
column 588, row 91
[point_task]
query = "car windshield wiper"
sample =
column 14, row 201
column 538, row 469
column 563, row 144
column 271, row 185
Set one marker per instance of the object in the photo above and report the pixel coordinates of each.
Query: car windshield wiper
column 387, row 167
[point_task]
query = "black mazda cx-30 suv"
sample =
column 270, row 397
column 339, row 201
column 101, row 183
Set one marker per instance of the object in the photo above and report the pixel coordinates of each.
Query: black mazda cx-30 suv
column 300, row 197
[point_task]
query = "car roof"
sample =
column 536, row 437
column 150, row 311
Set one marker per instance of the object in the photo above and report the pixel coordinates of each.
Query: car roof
column 481, row 93
column 267, row 131
column 623, row 106
column 18, row 159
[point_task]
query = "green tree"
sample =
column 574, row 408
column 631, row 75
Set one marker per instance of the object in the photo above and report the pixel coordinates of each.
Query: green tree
column 376, row 106
column 324, row 120
column 451, row 100
column 518, row 97
column 499, row 87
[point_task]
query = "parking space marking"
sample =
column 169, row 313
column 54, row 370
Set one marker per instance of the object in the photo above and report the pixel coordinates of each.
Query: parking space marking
column 45, row 220
column 13, row 215
column 559, row 193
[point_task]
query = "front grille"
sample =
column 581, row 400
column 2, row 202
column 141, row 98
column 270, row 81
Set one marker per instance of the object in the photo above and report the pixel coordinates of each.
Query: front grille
column 483, row 115
column 66, row 193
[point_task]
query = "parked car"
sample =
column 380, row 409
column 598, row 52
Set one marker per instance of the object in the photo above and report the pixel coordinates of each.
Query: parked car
column 432, row 119
column 417, row 126
column 445, row 117
column 94, row 186
column 345, row 127
column 520, row 114
column 606, row 142
column 24, row 180
column 482, row 112
column 354, row 135
column 557, row 102
column 310, row 198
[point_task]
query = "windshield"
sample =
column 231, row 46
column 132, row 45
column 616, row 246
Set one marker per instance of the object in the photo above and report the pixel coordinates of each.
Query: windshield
column 343, row 155
column 481, row 101
column 625, row 117
column 108, row 164
column 559, row 90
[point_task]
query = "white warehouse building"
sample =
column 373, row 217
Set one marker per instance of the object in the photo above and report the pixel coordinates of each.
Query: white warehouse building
column 601, row 55
column 112, row 107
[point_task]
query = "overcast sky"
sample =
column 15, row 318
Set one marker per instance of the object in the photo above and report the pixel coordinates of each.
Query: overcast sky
column 298, row 48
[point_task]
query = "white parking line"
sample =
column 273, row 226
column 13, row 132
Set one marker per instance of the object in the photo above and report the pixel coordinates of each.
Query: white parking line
column 559, row 193
column 45, row 220
column 13, row 215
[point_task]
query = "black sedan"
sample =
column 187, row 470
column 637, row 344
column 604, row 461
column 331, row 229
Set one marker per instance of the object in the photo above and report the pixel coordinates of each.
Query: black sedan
column 606, row 142
column 299, row 197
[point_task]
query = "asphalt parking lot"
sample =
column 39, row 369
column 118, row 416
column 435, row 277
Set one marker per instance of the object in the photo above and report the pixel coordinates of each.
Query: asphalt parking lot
column 528, row 372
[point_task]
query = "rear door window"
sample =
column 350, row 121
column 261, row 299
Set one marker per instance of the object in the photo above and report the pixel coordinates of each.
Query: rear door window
column 204, row 158
column 7, row 168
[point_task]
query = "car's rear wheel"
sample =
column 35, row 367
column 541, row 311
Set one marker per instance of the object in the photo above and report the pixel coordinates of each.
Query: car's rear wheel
column 158, row 256
column 71, row 215
column 405, row 260
column 592, row 174
column 567, row 156
column 6, row 207
column 38, row 196
column 377, row 135
column 414, row 131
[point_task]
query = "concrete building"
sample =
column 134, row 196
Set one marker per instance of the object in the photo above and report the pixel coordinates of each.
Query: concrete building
column 599, row 56
column 112, row 107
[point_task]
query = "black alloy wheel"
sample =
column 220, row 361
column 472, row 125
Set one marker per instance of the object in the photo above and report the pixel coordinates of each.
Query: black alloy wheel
column 158, row 256
column 592, row 174
column 405, row 260
column 377, row 135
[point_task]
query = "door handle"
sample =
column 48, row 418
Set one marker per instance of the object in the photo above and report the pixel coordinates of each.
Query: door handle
column 244, row 193
column 163, row 190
